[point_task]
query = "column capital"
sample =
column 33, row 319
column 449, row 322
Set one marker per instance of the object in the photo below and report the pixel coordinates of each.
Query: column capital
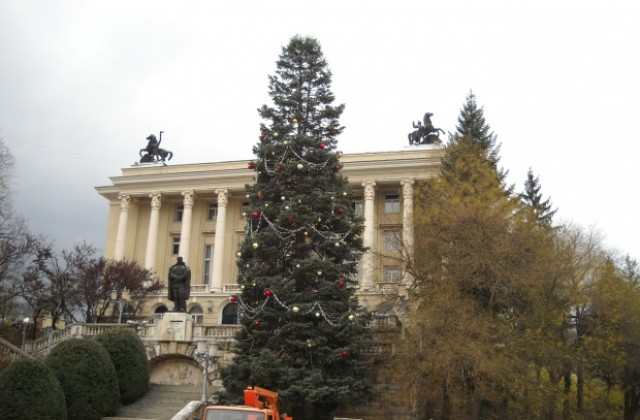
column 156, row 200
column 407, row 188
column 369, row 190
column 125, row 202
column 223, row 197
column 189, row 196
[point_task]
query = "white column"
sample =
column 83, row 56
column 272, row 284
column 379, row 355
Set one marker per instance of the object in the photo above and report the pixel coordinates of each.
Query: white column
column 369, row 234
column 152, row 238
column 407, row 223
column 185, row 232
column 219, row 244
column 121, row 235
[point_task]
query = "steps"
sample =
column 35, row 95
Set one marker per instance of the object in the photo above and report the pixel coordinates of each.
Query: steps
column 162, row 402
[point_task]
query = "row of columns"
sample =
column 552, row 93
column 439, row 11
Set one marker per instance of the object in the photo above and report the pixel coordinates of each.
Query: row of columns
column 368, row 259
column 185, row 232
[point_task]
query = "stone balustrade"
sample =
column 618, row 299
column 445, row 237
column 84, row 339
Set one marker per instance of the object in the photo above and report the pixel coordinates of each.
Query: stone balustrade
column 149, row 334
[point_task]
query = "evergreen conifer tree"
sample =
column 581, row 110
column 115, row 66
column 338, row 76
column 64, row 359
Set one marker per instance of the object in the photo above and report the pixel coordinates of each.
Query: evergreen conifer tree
column 472, row 124
column 531, row 197
column 302, row 322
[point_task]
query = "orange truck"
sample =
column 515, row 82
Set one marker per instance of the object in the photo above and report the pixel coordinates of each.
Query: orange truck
column 259, row 404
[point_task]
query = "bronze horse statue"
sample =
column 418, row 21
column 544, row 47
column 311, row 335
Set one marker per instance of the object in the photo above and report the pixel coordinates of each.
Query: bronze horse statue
column 425, row 132
column 153, row 152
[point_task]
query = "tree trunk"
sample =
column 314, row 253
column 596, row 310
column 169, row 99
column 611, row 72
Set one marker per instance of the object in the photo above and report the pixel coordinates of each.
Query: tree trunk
column 503, row 412
column 446, row 401
column 566, row 406
column 580, row 390
column 631, row 403
column 476, row 405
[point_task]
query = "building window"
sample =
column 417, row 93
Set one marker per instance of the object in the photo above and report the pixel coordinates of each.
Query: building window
column 179, row 212
column 196, row 315
column 391, row 240
column 230, row 314
column 392, row 274
column 208, row 259
column 175, row 245
column 160, row 310
column 391, row 203
column 212, row 214
column 356, row 277
column 245, row 209
column 358, row 206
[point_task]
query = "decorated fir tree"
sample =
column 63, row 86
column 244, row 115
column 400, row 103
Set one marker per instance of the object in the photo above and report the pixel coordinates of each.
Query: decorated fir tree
column 302, row 322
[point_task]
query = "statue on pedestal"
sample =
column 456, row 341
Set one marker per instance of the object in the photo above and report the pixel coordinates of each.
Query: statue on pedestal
column 425, row 133
column 179, row 285
column 153, row 152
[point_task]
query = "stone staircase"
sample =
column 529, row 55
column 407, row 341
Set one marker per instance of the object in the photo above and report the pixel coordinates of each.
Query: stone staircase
column 162, row 402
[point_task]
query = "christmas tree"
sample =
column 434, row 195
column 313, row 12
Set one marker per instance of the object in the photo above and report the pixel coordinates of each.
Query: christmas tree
column 302, row 323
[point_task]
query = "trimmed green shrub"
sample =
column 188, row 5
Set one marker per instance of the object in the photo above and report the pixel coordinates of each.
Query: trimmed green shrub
column 130, row 360
column 4, row 362
column 87, row 377
column 30, row 390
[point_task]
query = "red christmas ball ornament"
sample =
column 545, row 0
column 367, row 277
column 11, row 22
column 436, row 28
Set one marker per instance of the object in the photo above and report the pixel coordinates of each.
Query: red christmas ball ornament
column 255, row 214
column 257, row 323
column 233, row 299
column 345, row 354
column 250, row 165
column 321, row 145
column 339, row 210
column 268, row 292
column 340, row 283
column 290, row 217
column 279, row 167
column 338, row 167
column 262, row 136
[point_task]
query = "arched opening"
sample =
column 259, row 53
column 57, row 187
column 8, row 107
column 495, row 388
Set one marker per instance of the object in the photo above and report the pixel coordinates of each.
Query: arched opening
column 159, row 311
column 197, row 314
column 230, row 314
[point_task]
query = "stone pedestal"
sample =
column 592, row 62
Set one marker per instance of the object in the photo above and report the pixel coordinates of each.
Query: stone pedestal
column 176, row 326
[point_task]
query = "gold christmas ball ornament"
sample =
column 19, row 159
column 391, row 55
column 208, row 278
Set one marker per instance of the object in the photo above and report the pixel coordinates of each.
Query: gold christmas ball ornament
column 351, row 317
column 300, row 166
column 239, row 254
column 295, row 309
column 255, row 245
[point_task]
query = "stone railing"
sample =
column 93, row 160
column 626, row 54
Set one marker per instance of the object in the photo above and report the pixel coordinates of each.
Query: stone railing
column 232, row 288
column 220, row 333
column 10, row 351
column 149, row 334
column 42, row 345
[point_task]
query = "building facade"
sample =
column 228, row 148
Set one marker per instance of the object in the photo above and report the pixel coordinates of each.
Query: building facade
column 197, row 211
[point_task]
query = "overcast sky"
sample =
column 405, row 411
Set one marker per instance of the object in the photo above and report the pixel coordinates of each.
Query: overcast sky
column 82, row 83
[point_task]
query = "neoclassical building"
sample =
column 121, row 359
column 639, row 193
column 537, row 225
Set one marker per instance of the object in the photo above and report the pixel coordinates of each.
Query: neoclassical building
column 158, row 212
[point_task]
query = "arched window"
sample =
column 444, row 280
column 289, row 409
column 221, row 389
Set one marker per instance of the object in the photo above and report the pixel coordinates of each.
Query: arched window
column 196, row 314
column 160, row 310
column 230, row 314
